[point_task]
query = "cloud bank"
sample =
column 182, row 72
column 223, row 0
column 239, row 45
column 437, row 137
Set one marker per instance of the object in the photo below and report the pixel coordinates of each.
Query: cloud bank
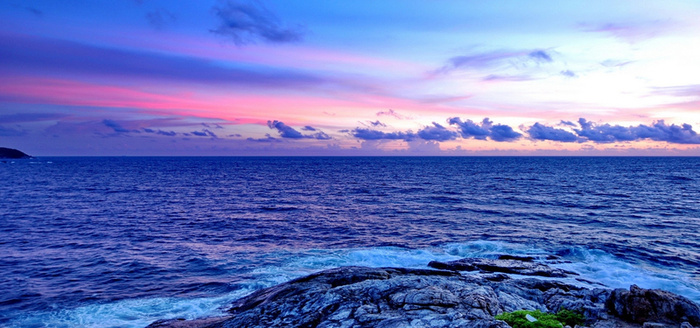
column 485, row 129
column 437, row 132
column 542, row 132
column 607, row 133
column 579, row 132
column 369, row 134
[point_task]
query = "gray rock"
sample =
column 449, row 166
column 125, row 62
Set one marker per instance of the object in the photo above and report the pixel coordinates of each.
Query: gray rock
column 355, row 297
column 182, row 323
column 517, row 265
column 516, row 257
column 613, row 323
column 641, row 305
column 657, row 325
column 391, row 297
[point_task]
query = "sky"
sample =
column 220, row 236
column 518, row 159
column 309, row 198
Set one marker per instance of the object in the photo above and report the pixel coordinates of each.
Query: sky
column 350, row 78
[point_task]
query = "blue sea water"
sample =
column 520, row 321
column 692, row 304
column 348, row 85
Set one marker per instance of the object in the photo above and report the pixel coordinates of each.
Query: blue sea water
column 123, row 241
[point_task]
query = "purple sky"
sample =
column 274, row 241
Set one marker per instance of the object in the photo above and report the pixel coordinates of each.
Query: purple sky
column 402, row 77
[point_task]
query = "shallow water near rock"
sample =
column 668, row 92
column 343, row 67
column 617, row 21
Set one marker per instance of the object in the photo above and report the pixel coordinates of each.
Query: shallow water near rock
column 121, row 242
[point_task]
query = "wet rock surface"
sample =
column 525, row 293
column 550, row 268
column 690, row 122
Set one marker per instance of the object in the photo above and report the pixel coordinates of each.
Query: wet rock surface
column 505, row 264
column 652, row 305
column 400, row 297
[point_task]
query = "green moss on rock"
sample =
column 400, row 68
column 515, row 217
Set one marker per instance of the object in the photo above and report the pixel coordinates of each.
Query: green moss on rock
column 517, row 319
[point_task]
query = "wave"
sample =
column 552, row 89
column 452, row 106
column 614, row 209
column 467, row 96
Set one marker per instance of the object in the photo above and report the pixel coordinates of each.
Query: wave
column 136, row 313
column 595, row 267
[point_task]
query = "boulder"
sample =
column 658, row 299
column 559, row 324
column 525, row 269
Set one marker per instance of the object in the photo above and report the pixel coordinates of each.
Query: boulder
column 505, row 264
column 641, row 305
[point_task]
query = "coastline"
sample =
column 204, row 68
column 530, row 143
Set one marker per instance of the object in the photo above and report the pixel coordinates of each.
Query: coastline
column 464, row 293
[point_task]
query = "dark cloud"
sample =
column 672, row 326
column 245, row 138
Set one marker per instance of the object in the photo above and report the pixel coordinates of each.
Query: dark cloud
column 542, row 132
column 204, row 133
column 26, row 54
column 495, row 59
column 483, row 60
column 569, row 123
column 659, row 131
column 118, row 128
column 308, row 128
column 608, row 133
column 321, row 136
column 30, row 117
column 287, row 131
column 469, row 129
column 437, row 132
column 485, row 129
column 268, row 138
column 377, row 123
column 161, row 132
column 369, row 134
column 540, row 56
column 605, row 133
column 501, row 133
column 212, row 126
column 250, row 22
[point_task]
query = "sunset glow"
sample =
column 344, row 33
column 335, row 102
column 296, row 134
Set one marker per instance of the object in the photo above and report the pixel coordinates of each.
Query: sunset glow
column 350, row 78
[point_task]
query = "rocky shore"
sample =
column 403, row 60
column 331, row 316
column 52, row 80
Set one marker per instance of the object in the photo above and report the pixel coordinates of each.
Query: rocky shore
column 463, row 293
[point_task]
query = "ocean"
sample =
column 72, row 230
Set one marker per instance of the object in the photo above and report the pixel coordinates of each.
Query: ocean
column 124, row 241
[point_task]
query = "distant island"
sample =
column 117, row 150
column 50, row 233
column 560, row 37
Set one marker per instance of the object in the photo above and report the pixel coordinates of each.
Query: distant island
column 12, row 153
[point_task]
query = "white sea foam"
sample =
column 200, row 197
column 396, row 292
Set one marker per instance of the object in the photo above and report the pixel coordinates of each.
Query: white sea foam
column 613, row 272
column 129, row 313
column 491, row 249
column 373, row 257
column 592, row 265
